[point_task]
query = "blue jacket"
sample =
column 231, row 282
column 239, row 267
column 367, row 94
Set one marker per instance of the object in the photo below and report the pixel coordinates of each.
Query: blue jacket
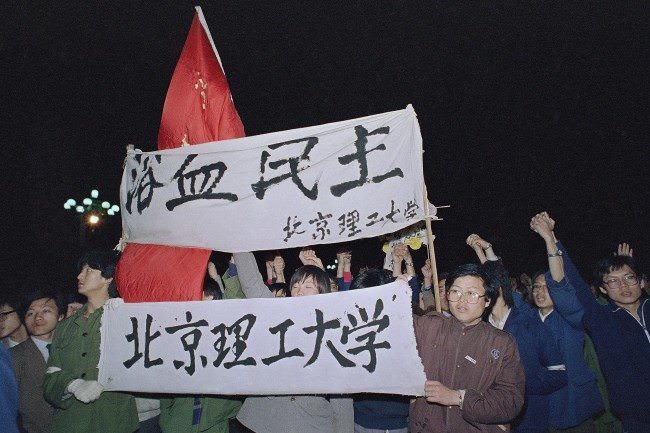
column 8, row 394
column 622, row 345
column 581, row 399
column 538, row 351
column 381, row 412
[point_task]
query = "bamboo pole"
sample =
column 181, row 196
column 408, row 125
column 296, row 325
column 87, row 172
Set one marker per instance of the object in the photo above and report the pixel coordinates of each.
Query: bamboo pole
column 432, row 253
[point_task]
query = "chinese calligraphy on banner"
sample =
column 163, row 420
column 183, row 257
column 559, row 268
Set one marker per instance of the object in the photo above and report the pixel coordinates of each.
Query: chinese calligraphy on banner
column 347, row 342
column 323, row 184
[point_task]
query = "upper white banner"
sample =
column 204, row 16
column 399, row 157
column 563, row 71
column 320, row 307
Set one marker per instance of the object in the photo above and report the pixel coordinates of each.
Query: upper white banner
column 338, row 343
column 323, row 184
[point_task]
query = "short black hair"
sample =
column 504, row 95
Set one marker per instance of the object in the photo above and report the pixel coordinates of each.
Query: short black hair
column 102, row 260
column 280, row 287
column 320, row 277
column 40, row 294
column 614, row 263
column 498, row 275
column 105, row 262
column 474, row 270
column 211, row 288
column 371, row 278
column 15, row 304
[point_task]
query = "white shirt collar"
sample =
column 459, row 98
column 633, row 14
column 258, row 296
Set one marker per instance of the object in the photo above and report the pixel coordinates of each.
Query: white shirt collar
column 501, row 323
column 544, row 316
column 42, row 347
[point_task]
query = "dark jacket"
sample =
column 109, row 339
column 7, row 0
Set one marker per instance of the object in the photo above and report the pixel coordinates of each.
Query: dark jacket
column 29, row 366
column 381, row 412
column 542, row 362
column 622, row 344
column 481, row 359
column 8, row 394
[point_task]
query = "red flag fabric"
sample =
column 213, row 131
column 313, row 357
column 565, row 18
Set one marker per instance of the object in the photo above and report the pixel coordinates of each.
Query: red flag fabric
column 150, row 273
column 198, row 109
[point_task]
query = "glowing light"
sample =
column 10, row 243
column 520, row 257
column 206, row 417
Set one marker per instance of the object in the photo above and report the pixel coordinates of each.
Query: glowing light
column 71, row 202
column 87, row 201
column 110, row 212
column 66, row 206
column 106, row 205
column 115, row 208
column 93, row 219
column 80, row 209
column 94, row 193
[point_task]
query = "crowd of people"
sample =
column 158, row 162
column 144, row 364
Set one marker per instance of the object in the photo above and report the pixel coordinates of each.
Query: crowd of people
column 545, row 352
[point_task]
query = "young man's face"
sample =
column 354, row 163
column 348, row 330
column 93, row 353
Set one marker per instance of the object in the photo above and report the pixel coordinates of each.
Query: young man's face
column 305, row 287
column 622, row 286
column 540, row 293
column 41, row 318
column 466, row 312
column 90, row 281
column 9, row 320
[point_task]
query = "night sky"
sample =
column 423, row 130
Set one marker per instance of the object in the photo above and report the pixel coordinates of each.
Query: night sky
column 523, row 106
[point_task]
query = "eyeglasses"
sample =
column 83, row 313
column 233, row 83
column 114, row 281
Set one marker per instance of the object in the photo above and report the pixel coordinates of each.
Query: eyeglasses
column 454, row 295
column 4, row 314
column 538, row 287
column 628, row 280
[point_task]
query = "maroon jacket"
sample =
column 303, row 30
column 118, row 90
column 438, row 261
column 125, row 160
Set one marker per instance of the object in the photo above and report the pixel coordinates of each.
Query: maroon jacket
column 481, row 359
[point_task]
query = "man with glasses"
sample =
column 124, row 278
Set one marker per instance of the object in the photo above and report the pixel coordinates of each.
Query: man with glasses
column 573, row 407
column 475, row 380
column 619, row 331
column 12, row 330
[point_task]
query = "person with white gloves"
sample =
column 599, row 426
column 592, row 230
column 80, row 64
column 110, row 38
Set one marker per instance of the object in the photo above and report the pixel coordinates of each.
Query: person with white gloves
column 70, row 383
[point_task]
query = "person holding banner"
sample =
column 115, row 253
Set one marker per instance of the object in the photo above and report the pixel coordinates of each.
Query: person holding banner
column 292, row 414
column 70, row 383
column 378, row 413
column 475, row 380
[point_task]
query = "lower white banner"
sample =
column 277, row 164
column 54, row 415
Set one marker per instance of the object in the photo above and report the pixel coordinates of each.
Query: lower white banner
column 338, row 343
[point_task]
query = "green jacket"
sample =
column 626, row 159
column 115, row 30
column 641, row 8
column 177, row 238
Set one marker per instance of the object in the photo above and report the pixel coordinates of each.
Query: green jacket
column 75, row 351
column 232, row 287
column 176, row 414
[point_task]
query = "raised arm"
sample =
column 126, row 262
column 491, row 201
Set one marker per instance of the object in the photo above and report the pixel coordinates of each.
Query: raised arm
column 278, row 269
column 542, row 225
column 250, row 277
column 475, row 242
column 568, row 291
column 232, row 286
column 343, row 270
column 402, row 254
column 308, row 257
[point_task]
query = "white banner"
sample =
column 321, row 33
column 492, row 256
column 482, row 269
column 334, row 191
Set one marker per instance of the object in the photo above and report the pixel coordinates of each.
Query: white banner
column 323, row 184
column 338, row 343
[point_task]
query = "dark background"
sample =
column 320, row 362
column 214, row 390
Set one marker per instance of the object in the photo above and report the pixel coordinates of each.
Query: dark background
column 523, row 106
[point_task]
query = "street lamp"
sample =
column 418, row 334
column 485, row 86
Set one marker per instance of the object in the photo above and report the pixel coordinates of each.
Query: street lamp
column 92, row 209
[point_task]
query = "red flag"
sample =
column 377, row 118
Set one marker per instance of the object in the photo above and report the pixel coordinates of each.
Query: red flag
column 198, row 109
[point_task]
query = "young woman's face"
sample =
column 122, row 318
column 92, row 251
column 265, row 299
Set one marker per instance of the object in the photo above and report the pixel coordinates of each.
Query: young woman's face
column 305, row 287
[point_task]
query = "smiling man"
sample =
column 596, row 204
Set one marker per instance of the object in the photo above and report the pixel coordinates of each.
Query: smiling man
column 475, row 380
column 42, row 315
